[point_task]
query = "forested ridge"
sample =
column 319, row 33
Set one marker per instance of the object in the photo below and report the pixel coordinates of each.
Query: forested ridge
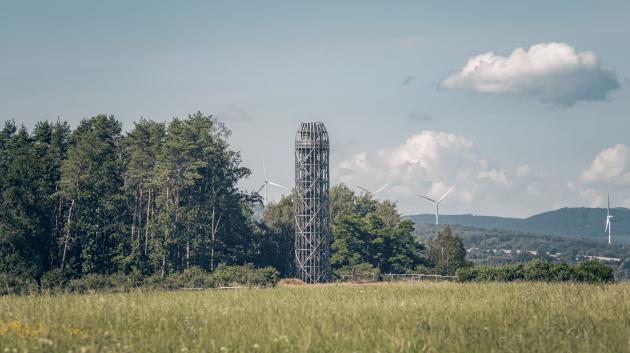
column 160, row 199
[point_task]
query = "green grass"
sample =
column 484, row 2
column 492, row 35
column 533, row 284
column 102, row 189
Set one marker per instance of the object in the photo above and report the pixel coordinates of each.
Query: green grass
column 425, row 317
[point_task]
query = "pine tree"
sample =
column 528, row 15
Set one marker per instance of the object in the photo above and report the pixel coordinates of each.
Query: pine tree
column 91, row 186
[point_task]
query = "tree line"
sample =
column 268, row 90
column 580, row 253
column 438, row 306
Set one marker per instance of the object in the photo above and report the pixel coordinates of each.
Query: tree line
column 162, row 198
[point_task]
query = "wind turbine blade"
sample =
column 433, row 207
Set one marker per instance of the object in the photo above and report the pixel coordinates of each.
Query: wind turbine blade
column 263, row 185
column 364, row 189
column 443, row 197
column 278, row 185
column 264, row 170
column 607, row 224
column 426, row 198
column 382, row 188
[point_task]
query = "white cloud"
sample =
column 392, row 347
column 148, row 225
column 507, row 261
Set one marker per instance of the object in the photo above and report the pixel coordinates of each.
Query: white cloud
column 431, row 162
column 358, row 161
column 553, row 72
column 523, row 170
column 610, row 165
column 427, row 163
column 498, row 176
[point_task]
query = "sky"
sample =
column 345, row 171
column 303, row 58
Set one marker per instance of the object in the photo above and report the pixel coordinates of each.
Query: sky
column 520, row 107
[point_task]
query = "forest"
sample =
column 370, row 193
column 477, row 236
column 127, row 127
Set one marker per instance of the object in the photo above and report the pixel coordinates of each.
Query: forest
column 163, row 197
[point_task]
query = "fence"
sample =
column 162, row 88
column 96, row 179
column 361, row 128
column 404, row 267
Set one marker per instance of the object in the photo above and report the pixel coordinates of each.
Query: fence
column 415, row 277
column 393, row 277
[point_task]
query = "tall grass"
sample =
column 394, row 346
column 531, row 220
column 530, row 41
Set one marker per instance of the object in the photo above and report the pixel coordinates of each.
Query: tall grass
column 425, row 317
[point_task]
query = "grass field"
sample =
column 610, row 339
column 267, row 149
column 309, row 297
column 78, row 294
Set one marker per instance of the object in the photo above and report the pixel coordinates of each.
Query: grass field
column 425, row 317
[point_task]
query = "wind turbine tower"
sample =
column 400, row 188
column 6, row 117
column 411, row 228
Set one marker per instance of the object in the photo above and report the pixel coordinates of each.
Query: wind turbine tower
column 269, row 182
column 609, row 216
column 437, row 208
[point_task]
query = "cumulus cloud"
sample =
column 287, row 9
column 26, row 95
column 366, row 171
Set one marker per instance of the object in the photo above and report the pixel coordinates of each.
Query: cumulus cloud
column 611, row 165
column 235, row 114
column 554, row 72
column 428, row 163
column 498, row 176
column 431, row 162
column 418, row 115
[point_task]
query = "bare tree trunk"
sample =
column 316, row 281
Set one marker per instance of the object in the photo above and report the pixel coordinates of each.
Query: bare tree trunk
column 213, row 232
column 135, row 215
column 139, row 231
column 176, row 236
column 56, row 231
column 163, row 263
column 67, row 237
column 187, row 252
column 188, row 235
column 146, row 224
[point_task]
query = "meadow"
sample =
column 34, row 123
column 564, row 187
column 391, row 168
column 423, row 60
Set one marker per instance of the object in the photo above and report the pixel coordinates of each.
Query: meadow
column 394, row 317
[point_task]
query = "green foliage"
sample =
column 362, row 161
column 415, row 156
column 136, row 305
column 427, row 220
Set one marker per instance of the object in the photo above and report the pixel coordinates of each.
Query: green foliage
column 362, row 268
column 93, row 282
column 196, row 277
column 593, row 271
column 537, row 270
column 244, row 275
column 29, row 173
column 501, row 246
column 54, row 279
column 91, row 182
column 274, row 241
column 10, row 284
column 447, row 252
column 366, row 231
column 160, row 199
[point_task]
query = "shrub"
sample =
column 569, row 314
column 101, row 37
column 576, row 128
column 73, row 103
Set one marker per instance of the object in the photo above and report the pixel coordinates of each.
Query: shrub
column 244, row 275
column 196, row 277
column 593, row 271
column 561, row 272
column 193, row 277
column 359, row 268
column 538, row 270
column 16, row 285
column 511, row 272
column 467, row 274
column 54, row 280
column 505, row 273
column 99, row 282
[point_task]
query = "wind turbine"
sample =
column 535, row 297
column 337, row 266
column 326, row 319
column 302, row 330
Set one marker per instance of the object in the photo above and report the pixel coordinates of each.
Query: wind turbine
column 608, row 224
column 437, row 206
column 375, row 192
column 269, row 182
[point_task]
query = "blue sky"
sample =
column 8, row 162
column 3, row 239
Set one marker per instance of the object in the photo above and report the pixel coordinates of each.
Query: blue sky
column 364, row 68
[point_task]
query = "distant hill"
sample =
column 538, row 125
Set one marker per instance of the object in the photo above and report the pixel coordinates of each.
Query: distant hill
column 566, row 222
column 488, row 222
column 501, row 246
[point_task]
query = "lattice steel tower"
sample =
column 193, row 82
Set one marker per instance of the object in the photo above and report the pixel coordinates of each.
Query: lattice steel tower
column 312, row 215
